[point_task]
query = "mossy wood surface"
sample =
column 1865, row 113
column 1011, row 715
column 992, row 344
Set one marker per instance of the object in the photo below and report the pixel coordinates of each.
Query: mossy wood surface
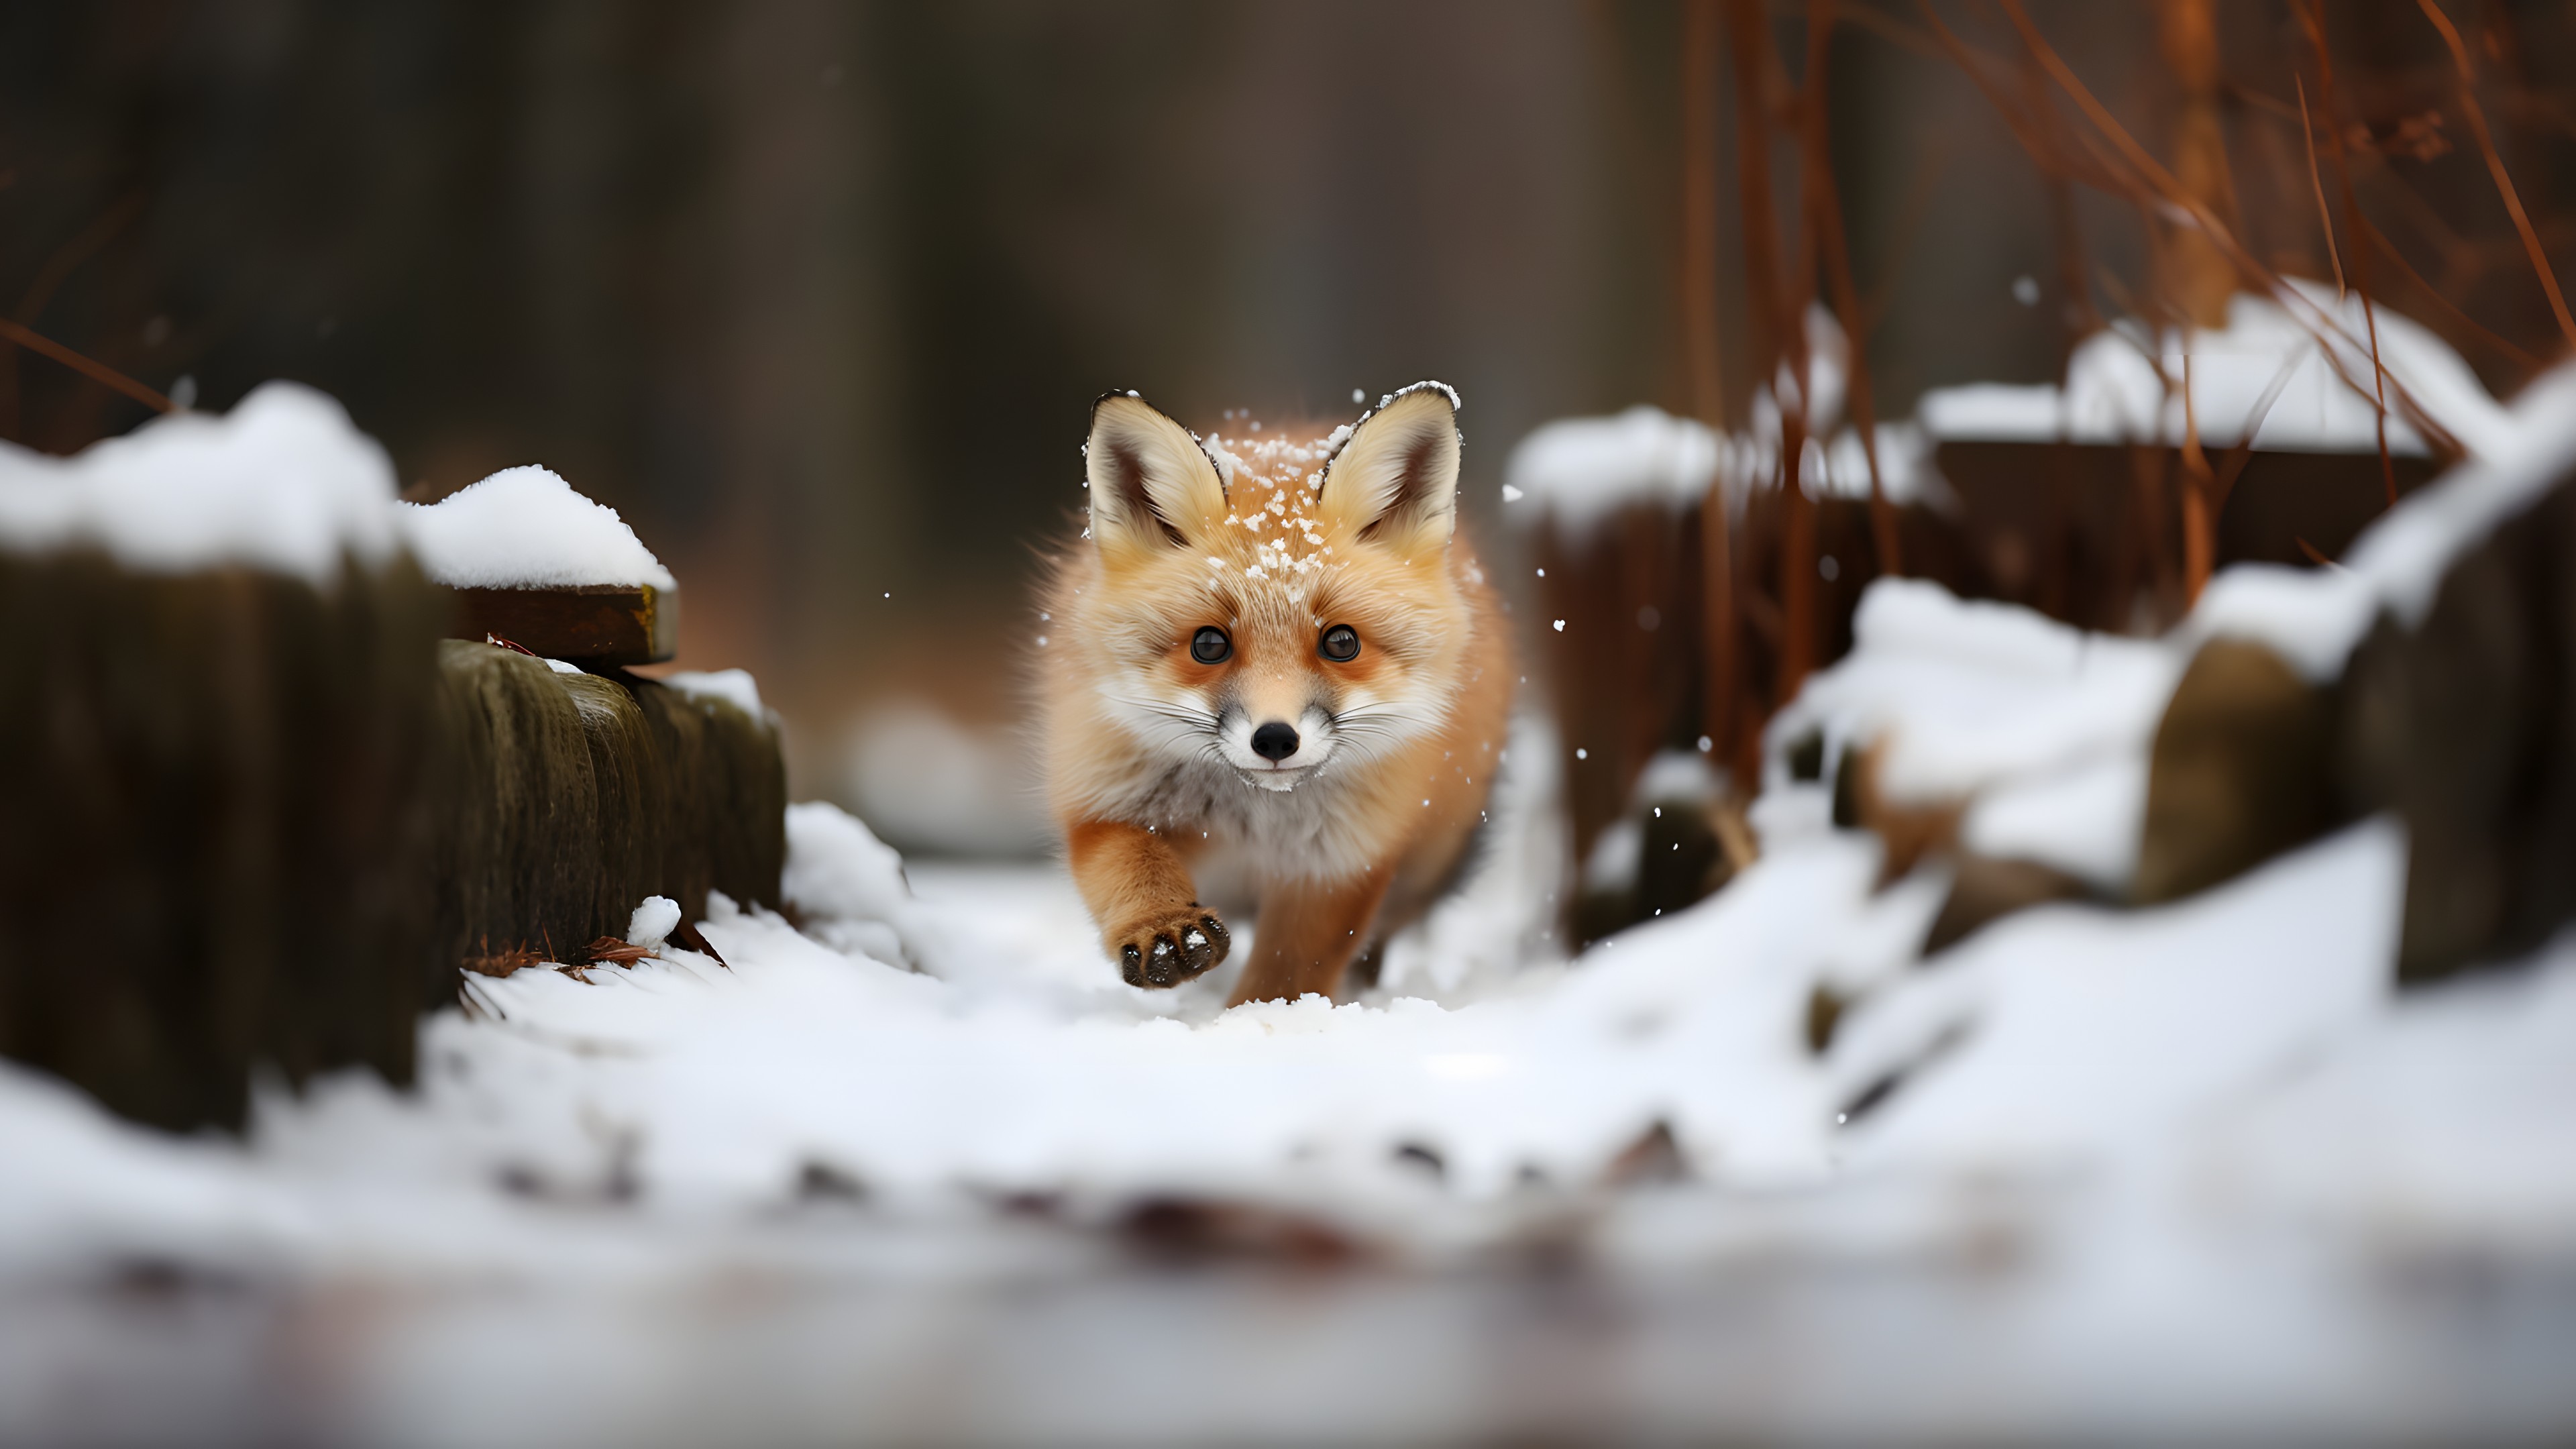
column 577, row 795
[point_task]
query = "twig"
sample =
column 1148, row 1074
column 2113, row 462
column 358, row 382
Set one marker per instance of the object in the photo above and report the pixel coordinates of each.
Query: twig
column 1700, row 40
column 2109, row 125
column 2313, row 16
column 1779, row 335
column 2495, row 168
column 2077, row 317
column 95, row 371
column 2325, row 217
column 2482, row 332
column 1699, row 210
column 68, row 257
column 502, row 962
column 2233, row 465
column 2160, row 187
column 2199, row 520
column 1896, row 32
column 1799, row 424
column 58, row 268
column 615, row 951
column 2039, row 141
column 1825, row 205
column 1907, row 229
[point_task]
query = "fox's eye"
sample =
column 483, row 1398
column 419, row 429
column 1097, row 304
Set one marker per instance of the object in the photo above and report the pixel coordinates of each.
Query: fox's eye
column 1210, row 646
column 1341, row 644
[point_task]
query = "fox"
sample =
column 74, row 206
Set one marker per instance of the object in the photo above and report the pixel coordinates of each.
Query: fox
column 1275, row 678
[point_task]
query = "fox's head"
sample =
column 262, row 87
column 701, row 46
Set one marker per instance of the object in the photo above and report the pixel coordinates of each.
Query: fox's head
column 1279, row 603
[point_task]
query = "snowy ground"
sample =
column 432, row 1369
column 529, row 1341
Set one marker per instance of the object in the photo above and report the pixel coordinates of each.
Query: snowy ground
column 2167, row 1172
column 923, row 1168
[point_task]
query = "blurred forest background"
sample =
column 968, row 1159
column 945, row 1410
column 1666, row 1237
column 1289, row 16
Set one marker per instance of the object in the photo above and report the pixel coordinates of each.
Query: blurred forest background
column 818, row 295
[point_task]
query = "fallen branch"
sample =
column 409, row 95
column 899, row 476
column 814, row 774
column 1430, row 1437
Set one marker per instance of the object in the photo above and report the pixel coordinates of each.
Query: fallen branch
column 2495, row 168
column 2313, row 16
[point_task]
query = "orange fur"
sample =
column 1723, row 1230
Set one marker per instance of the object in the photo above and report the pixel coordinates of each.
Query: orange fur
column 1151, row 766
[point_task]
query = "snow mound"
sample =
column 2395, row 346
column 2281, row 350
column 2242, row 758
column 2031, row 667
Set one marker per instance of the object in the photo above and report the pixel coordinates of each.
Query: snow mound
column 2043, row 728
column 283, row 482
column 652, row 923
column 2060, row 1029
column 525, row 528
column 850, row 889
column 286, row 482
column 735, row 687
column 1579, row 471
column 2268, row 368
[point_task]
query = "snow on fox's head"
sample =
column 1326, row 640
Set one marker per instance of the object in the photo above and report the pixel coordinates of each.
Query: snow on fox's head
column 1275, row 602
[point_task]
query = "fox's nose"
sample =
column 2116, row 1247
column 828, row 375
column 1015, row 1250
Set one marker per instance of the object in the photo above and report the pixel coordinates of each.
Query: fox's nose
column 1276, row 740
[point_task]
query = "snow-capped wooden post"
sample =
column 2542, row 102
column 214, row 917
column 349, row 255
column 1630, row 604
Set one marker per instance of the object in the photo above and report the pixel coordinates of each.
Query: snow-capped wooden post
column 541, row 567
column 581, row 788
column 2451, row 713
column 1613, row 507
column 254, row 813
column 215, row 686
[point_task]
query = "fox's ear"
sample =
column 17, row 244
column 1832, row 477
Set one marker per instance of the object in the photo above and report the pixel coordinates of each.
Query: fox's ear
column 1396, row 480
column 1151, row 484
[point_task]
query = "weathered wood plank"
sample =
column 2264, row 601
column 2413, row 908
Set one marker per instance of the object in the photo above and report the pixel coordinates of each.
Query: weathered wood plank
column 248, row 822
column 597, row 624
column 215, row 829
column 571, row 797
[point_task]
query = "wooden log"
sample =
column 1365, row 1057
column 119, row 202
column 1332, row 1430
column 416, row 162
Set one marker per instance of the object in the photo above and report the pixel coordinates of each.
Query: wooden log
column 2056, row 526
column 251, row 822
column 2240, row 771
column 596, row 624
column 1623, row 671
column 2462, row 726
column 216, row 845
column 1627, row 675
column 2465, row 728
column 577, row 795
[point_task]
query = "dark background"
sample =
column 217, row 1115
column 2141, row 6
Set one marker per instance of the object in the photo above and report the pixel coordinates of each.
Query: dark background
column 819, row 295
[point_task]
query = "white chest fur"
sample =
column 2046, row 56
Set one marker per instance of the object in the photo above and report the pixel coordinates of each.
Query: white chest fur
column 1308, row 832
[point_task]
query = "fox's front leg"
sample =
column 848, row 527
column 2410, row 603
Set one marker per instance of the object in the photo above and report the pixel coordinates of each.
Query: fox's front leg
column 1309, row 932
column 1140, row 894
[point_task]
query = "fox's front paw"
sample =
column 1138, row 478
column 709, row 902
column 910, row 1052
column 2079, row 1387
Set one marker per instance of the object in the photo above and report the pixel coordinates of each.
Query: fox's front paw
column 1170, row 947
